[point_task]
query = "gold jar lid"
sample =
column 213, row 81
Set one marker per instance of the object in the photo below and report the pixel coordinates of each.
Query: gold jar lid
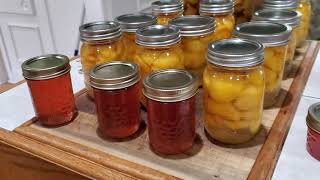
column 313, row 117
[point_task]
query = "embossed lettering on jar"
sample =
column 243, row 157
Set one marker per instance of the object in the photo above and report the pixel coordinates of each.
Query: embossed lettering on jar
column 233, row 85
column 196, row 33
column 167, row 10
column 101, row 42
column 49, row 82
column 287, row 17
column 171, row 106
column 116, row 90
column 275, row 38
column 222, row 11
column 313, row 136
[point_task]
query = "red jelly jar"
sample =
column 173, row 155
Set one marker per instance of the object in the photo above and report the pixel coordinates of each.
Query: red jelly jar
column 313, row 136
column 171, row 110
column 116, row 91
column 48, row 78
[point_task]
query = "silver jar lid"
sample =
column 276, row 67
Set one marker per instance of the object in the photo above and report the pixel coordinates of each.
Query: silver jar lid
column 132, row 22
column 288, row 17
column 45, row 67
column 216, row 6
column 158, row 35
column 194, row 25
column 268, row 33
column 100, row 31
column 235, row 53
column 114, row 75
column 170, row 85
column 313, row 117
column 167, row 6
column 281, row 4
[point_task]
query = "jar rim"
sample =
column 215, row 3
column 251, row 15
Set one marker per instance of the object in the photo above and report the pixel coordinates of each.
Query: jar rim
column 100, row 31
column 216, row 6
column 168, row 6
column 288, row 17
column 132, row 22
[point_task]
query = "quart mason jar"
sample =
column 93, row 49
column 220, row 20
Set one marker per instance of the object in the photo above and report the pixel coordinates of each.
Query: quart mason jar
column 222, row 11
column 159, row 48
column 196, row 33
column 305, row 9
column 243, row 10
column 275, row 38
column 167, row 10
column 233, row 84
column 191, row 7
column 130, row 23
column 287, row 17
column 101, row 42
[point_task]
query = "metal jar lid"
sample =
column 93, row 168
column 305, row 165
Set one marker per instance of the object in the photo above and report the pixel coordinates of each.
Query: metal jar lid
column 167, row 6
column 268, row 33
column 235, row 53
column 216, row 6
column 170, row 85
column 132, row 22
column 194, row 25
column 158, row 35
column 281, row 4
column 45, row 67
column 114, row 75
column 313, row 117
column 100, row 31
column 288, row 17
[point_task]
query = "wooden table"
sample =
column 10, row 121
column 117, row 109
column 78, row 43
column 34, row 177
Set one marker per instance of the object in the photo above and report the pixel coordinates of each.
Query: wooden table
column 76, row 151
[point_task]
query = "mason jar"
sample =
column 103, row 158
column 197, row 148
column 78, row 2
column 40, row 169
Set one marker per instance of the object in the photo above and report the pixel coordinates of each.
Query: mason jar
column 233, row 85
column 130, row 23
column 167, row 10
column 101, row 42
column 313, row 134
column 222, row 11
column 196, row 33
column 287, row 17
column 171, row 103
column 159, row 47
column 304, row 8
column 191, row 7
column 243, row 10
column 275, row 38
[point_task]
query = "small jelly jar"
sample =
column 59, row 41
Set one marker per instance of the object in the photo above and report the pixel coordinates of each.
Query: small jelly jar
column 48, row 78
column 167, row 10
column 171, row 110
column 116, row 90
column 313, row 136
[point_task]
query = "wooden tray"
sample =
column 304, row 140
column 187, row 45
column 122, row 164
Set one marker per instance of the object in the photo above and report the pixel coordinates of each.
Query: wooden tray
column 78, row 147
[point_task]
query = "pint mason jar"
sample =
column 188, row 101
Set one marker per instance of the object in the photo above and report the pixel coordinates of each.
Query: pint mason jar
column 287, row 17
column 233, row 84
column 167, row 10
column 243, row 10
column 101, row 42
column 304, row 8
column 275, row 38
column 196, row 33
column 191, row 7
column 159, row 48
column 130, row 23
column 222, row 11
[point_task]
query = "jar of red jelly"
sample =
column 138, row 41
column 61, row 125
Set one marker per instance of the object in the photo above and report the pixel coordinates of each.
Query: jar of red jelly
column 116, row 90
column 171, row 104
column 48, row 78
column 313, row 136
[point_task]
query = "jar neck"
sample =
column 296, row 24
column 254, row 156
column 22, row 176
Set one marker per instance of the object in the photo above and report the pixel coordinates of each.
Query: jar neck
column 161, row 47
column 179, row 13
column 217, row 15
column 109, row 41
column 231, row 69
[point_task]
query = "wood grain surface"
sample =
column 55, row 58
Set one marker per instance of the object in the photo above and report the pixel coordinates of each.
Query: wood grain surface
column 78, row 147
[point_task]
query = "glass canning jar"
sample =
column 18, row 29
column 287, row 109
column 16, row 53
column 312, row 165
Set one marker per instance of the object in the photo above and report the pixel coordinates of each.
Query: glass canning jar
column 171, row 103
column 304, row 8
column 101, row 42
column 222, row 11
column 130, row 23
column 275, row 39
column 287, row 17
column 116, row 91
column 191, row 7
column 167, row 10
column 233, row 84
column 196, row 33
column 313, row 135
column 243, row 10
column 159, row 47
column 49, row 82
